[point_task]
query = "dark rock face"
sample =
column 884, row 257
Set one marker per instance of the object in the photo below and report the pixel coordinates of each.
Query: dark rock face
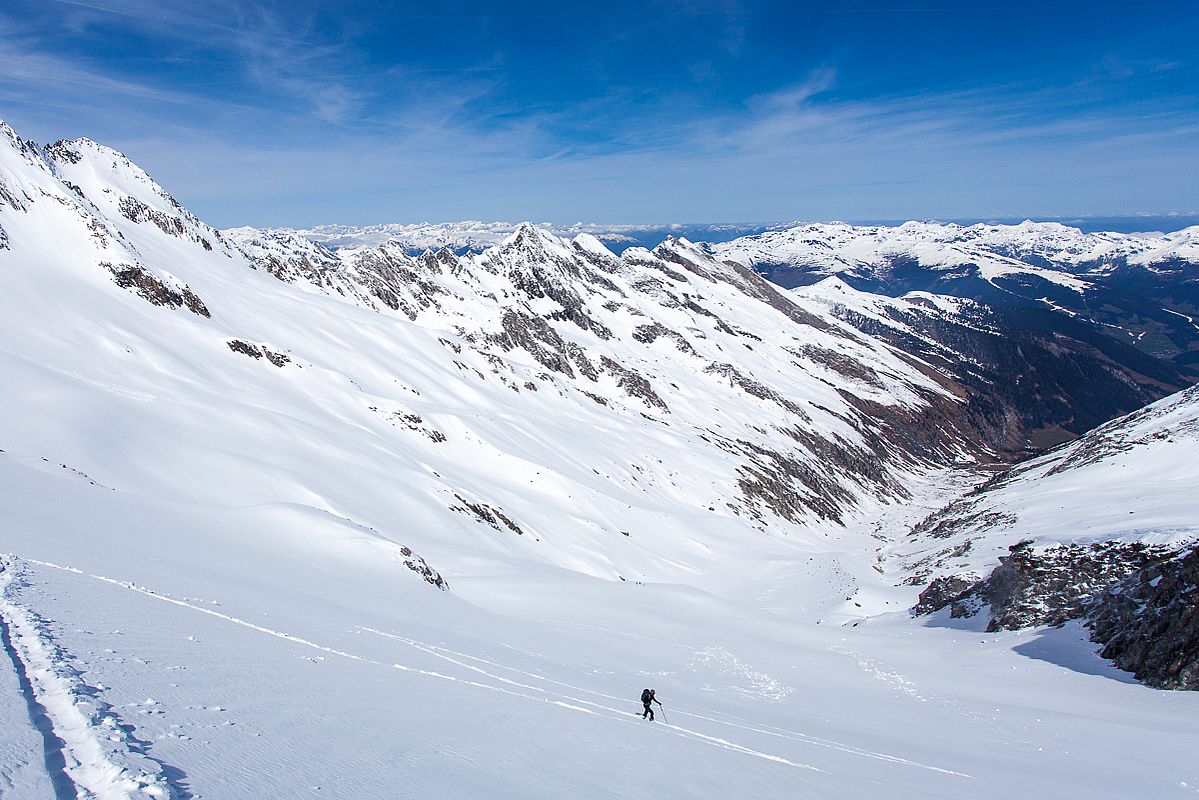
column 753, row 387
column 1149, row 622
column 137, row 211
column 153, row 290
column 418, row 565
column 255, row 351
column 1048, row 586
column 1141, row 602
column 403, row 284
column 943, row 591
column 633, row 383
column 61, row 151
column 536, row 337
column 648, row 334
column 10, row 199
column 487, row 514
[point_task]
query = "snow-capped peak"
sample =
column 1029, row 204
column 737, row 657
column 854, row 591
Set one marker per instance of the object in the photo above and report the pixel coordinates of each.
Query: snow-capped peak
column 8, row 134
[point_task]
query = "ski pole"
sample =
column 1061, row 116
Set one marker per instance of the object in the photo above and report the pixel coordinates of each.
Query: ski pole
column 662, row 711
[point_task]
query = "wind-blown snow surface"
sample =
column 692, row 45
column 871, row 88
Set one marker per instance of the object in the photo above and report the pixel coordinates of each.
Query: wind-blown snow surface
column 233, row 504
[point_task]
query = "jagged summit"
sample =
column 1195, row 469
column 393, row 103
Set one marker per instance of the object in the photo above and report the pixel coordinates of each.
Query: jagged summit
column 8, row 133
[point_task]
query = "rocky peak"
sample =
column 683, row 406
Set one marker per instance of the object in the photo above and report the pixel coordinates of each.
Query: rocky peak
column 9, row 136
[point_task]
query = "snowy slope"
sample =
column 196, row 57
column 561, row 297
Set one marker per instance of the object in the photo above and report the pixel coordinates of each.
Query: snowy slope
column 365, row 523
column 255, row 655
column 1129, row 481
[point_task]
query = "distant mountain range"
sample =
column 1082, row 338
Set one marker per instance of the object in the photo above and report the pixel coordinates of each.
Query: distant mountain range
column 476, row 235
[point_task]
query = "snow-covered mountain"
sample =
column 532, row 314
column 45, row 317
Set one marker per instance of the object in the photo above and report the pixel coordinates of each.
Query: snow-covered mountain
column 283, row 520
column 1033, row 378
column 666, row 352
column 1059, row 253
column 477, row 235
column 1141, row 289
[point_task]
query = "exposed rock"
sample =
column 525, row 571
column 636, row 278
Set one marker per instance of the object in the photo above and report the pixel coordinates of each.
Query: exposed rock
column 603, row 401
column 942, row 592
column 538, row 338
column 648, row 334
column 7, row 197
column 488, row 514
column 415, row 422
column 418, row 565
column 579, row 356
column 256, row 351
column 278, row 359
column 753, row 387
column 62, row 151
column 150, row 288
column 839, row 363
column 137, row 211
column 1140, row 601
column 401, row 282
column 1042, row 586
column 1149, row 622
column 633, row 383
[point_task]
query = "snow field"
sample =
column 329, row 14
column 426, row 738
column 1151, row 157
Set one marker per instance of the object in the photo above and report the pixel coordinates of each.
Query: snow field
column 89, row 744
column 247, row 668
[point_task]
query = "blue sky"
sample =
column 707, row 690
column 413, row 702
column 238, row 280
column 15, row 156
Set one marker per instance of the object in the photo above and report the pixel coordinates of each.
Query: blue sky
column 297, row 113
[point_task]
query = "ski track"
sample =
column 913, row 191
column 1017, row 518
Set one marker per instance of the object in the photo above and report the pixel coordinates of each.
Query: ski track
column 112, row 388
column 80, row 747
column 22, row 771
column 575, row 704
column 620, row 716
column 768, row 730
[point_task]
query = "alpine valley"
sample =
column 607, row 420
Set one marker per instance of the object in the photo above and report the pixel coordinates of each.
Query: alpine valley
column 410, row 511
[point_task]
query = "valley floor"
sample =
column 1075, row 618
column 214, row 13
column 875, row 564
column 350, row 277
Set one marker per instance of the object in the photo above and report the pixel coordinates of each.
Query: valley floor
column 145, row 670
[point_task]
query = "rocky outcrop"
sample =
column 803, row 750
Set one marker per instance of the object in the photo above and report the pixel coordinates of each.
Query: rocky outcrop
column 753, row 387
column 1141, row 602
column 137, row 211
column 1149, row 622
column 418, row 565
column 257, row 351
column 155, row 290
column 633, row 383
column 487, row 514
column 536, row 337
column 1041, row 586
column 648, row 334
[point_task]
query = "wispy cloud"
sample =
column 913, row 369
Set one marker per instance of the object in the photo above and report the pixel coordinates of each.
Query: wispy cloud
column 292, row 115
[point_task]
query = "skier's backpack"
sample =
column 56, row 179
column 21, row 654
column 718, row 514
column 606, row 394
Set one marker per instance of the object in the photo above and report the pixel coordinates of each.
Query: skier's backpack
column 646, row 696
